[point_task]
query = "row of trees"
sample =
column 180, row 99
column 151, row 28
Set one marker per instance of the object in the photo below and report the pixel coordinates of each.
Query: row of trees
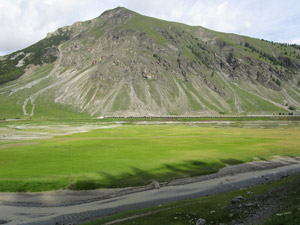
column 283, row 44
column 281, row 61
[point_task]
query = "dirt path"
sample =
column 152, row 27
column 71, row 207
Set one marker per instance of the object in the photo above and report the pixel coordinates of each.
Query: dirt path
column 33, row 97
column 80, row 206
column 236, row 97
column 291, row 99
column 266, row 99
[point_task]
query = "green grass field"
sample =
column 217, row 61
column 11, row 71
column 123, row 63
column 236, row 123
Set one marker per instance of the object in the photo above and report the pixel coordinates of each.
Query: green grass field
column 136, row 154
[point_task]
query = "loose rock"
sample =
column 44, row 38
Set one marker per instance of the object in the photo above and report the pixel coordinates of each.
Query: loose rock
column 237, row 199
column 201, row 221
column 250, row 204
column 155, row 185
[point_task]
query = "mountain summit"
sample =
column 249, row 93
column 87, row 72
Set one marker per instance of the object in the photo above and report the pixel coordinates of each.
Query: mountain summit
column 126, row 64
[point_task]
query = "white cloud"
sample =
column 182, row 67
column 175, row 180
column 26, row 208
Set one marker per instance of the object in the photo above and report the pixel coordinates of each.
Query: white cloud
column 24, row 22
column 176, row 13
column 296, row 41
column 222, row 8
column 248, row 24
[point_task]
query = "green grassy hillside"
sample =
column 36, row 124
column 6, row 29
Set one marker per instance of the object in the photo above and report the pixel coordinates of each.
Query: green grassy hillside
column 124, row 63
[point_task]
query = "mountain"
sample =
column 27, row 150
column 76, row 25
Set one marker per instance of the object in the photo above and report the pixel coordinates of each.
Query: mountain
column 123, row 63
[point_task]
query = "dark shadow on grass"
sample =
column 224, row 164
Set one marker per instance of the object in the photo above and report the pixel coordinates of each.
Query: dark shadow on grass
column 231, row 161
column 138, row 176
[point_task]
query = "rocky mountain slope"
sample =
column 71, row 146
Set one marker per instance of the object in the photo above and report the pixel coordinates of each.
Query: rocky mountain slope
column 123, row 63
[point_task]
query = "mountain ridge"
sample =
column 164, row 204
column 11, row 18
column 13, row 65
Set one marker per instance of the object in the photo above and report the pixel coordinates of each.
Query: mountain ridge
column 124, row 63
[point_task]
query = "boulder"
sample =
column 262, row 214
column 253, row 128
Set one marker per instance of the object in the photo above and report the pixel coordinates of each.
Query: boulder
column 155, row 184
column 237, row 199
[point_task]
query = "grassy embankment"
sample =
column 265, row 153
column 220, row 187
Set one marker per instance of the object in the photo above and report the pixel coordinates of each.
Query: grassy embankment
column 135, row 155
column 281, row 198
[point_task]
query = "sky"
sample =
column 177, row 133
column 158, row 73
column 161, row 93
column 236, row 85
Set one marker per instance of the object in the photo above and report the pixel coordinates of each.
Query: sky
column 24, row 22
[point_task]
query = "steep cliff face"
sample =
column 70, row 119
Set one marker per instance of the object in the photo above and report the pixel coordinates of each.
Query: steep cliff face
column 123, row 63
